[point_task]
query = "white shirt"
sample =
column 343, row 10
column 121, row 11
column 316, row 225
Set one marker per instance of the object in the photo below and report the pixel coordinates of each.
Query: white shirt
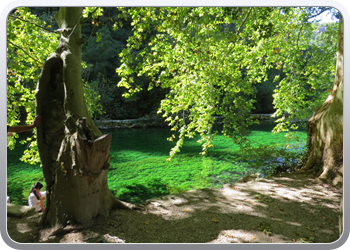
column 33, row 201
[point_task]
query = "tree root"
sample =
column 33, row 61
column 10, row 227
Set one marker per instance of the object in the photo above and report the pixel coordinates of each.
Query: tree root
column 66, row 229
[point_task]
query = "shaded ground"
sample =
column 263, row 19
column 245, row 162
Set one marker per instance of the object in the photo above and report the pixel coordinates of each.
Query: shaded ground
column 287, row 208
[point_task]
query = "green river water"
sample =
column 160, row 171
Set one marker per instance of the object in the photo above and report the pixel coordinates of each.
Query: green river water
column 139, row 169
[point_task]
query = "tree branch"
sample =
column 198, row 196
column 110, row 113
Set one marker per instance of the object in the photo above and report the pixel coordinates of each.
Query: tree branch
column 37, row 25
column 239, row 29
column 25, row 52
column 299, row 35
column 82, row 22
column 92, row 30
column 324, row 10
column 245, row 19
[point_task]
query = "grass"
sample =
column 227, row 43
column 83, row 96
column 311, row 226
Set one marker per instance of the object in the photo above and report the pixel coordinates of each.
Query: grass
column 21, row 176
column 139, row 169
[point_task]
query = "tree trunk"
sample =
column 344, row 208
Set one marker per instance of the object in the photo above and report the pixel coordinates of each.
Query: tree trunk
column 325, row 129
column 74, row 153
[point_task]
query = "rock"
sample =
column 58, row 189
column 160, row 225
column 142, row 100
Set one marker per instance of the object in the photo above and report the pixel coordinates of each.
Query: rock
column 106, row 238
column 19, row 211
column 8, row 199
column 251, row 177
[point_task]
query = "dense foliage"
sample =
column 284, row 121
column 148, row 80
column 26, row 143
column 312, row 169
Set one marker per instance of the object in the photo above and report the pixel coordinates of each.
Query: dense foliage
column 192, row 63
column 30, row 42
column 211, row 58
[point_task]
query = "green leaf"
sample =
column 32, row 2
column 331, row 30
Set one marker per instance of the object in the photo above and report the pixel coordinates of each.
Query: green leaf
column 98, row 37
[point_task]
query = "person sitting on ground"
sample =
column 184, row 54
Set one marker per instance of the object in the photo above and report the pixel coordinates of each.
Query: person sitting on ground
column 22, row 128
column 36, row 198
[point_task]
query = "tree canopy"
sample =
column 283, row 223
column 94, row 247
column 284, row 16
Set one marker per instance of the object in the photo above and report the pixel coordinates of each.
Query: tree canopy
column 209, row 61
column 211, row 58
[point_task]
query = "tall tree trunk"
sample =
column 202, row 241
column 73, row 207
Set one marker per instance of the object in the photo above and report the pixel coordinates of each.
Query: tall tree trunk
column 325, row 128
column 74, row 153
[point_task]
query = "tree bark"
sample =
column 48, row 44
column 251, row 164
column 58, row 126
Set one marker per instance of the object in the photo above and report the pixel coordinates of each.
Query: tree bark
column 74, row 153
column 325, row 129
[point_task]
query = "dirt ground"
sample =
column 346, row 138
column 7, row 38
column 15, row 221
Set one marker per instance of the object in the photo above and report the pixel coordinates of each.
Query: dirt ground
column 290, row 208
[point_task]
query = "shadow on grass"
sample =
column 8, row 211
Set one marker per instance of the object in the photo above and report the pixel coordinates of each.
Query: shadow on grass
column 139, row 193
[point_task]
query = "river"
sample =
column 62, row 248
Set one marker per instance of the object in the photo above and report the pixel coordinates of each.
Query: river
column 139, row 169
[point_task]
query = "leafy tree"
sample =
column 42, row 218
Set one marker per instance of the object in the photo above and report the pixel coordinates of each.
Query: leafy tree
column 30, row 41
column 74, row 153
column 325, row 128
column 210, row 59
column 75, row 180
column 316, row 46
column 308, row 75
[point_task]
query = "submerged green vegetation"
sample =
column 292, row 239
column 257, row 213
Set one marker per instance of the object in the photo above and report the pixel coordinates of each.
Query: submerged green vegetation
column 139, row 169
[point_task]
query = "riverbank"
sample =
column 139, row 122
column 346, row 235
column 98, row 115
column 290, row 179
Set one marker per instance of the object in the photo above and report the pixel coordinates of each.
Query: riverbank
column 159, row 122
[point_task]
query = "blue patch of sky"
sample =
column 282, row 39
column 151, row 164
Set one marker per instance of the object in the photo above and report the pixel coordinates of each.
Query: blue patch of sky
column 326, row 17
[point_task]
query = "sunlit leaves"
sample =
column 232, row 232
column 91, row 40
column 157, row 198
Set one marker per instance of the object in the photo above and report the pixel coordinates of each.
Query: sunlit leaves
column 210, row 58
column 92, row 100
column 98, row 37
column 31, row 154
column 30, row 42
column 95, row 12
column 309, row 71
